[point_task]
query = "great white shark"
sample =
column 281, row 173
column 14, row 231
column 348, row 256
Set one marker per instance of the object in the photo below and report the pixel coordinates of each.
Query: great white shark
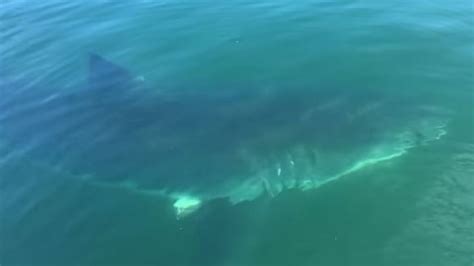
column 203, row 144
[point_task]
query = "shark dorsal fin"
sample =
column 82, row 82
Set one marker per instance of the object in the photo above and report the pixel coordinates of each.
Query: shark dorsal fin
column 105, row 75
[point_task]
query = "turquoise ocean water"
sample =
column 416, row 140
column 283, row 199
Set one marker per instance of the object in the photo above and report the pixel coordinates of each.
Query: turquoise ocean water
column 236, row 133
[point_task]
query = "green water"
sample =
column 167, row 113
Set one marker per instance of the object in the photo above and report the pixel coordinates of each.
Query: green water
column 413, row 209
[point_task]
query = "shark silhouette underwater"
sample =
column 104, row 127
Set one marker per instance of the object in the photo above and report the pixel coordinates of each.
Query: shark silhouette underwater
column 206, row 144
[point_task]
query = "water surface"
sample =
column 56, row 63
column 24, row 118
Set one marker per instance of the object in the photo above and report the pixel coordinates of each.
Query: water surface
column 308, row 133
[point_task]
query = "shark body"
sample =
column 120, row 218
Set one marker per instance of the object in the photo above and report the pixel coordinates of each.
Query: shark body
column 201, row 145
